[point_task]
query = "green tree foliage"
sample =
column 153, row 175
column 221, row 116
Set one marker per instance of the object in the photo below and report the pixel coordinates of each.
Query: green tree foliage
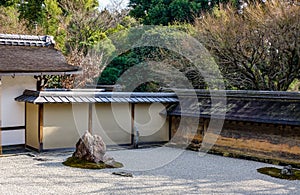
column 53, row 14
column 152, row 62
column 86, row 26
column 87, row 36
column 156, row 12
column 33, row 12
column 40, row 17
column 7, row 3
column 54, row 22
column 10, row 22
column 57, row 17
column 118, row 66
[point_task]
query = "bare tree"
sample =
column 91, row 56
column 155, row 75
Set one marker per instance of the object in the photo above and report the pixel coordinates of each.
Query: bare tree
column 258, row 49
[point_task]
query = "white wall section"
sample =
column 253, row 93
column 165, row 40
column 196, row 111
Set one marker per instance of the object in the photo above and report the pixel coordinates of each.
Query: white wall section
column 12, row 113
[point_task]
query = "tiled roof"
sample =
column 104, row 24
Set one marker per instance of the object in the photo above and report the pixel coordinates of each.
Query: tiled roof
column 94, row 96
column 26, row 54
column 252, row 106
column 26, row 40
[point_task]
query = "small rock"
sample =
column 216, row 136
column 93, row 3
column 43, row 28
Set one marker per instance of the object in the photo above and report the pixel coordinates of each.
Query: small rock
column 31, row 155
column 110, row 161
column 41, row 159
column 124, row 174
column 195, row 141
column 193, row 147
column 287, row 170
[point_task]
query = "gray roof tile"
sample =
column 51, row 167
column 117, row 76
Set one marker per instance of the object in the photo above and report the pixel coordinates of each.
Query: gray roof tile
column 26, row 40
column 263, row 107
column 93, row 97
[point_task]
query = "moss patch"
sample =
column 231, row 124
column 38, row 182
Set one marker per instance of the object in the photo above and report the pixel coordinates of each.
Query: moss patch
column 252, row 155
column 275, row 172
column 83, row 164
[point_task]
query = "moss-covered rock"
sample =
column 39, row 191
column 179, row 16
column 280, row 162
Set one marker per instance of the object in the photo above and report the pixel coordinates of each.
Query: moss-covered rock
column 275, row 172
column 84, row 164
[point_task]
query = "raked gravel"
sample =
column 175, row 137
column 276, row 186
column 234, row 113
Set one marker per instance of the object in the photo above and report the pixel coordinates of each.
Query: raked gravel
column 155, row 171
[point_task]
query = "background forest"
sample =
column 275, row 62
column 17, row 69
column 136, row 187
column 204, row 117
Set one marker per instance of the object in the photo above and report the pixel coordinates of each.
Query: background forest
column 255, row 43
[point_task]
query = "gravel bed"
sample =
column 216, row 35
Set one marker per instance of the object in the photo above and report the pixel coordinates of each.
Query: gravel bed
column 155, row 171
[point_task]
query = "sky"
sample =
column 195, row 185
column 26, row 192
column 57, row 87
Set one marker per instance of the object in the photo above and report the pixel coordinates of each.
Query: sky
column 107, row 3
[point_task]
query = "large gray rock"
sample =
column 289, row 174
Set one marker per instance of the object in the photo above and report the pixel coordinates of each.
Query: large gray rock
column 92, row 148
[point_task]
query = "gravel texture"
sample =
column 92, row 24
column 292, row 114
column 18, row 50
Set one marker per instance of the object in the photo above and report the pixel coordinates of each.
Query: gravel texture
column 167, row 171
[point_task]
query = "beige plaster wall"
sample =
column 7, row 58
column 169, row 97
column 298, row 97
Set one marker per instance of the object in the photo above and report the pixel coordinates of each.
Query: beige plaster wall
column 152, row 126
column 64, row 124
column 32, row 126
column 112, row 123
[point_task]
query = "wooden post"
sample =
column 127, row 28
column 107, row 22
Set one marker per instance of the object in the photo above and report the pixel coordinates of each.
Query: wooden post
column 90, row 118
column 205, row 127
column 25, row 120
column 38, row 83
column 41, row 126
column 170, row 127
column 132, row 123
